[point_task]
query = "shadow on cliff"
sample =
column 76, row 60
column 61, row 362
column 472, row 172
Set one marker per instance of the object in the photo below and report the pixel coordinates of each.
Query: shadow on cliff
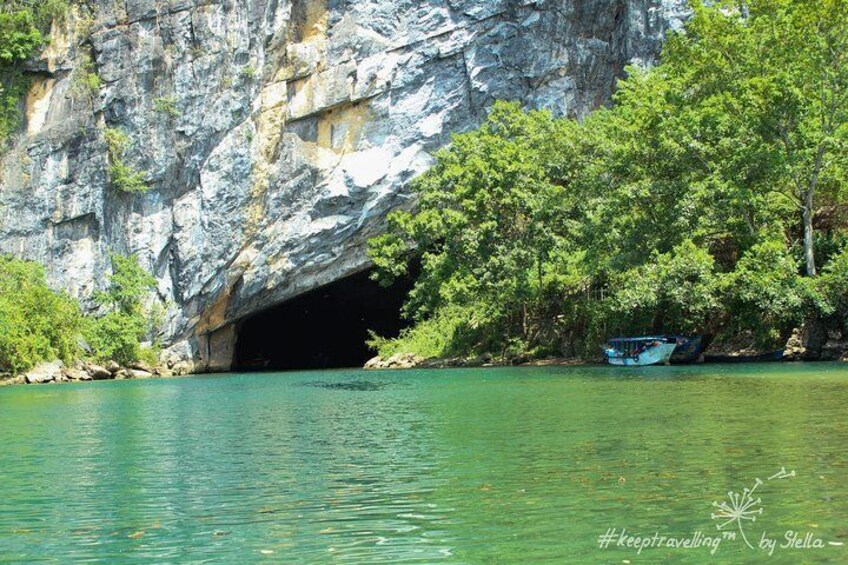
column 322, row 329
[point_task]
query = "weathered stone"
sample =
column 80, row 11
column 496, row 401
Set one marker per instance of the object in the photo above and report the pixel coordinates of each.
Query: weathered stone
column 139, row 374
column 72, row 374
column 12, row 380
column 296, row 127
column 183, row 368
column 396, row 361
column 374, row 363
column 98, row 373
column 807, row 343
column 122, row 374
column 141, row 366
column 113, row 367
column 834, row 350
column 44, row 373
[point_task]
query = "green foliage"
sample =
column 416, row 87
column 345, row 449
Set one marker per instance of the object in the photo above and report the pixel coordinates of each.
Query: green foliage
column 249, row 72
column 765, row 293
column 22, row 27
column 19, row 36
column 678, row 210
column 833, row 288
column 13, row 89
column 85, row 82
column 166, row 105
column 128, row 285
column 124, row 177
column 118, row 334
column 149, row 355
column 36, row 323
column 676, row 292
column 452, row 331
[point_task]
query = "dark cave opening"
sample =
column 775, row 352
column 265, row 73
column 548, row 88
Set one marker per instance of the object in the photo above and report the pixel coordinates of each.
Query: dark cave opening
column 323, row 329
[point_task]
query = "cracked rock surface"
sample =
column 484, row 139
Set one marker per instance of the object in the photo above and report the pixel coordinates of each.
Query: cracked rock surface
column 276, row 134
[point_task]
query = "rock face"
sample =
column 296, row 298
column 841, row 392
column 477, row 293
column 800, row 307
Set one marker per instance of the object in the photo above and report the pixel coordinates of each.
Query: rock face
column 44, row 373
column 276, row 134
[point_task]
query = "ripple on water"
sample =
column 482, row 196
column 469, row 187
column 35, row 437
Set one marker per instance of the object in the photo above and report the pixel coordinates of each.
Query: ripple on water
column 512, row 465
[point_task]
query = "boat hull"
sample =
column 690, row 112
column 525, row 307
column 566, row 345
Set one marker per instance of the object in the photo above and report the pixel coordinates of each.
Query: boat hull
column 651, row 356
column 689, row 349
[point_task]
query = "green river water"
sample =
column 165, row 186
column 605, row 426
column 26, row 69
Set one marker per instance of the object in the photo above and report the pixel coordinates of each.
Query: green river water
column 524, row 465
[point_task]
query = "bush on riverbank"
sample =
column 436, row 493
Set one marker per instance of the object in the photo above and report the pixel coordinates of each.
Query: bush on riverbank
column 117, row 334
column 38, row 324
column 701, row 202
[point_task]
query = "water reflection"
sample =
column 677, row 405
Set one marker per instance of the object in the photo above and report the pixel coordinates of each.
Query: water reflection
column 510, row 465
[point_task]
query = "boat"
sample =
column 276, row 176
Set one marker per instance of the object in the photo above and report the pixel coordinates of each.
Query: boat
column 776, row 355
column 640, row 351
column 689, row 349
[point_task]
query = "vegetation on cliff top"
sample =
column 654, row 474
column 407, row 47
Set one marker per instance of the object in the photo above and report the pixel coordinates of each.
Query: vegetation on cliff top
column 38, row 324
column 710, row 198
column 23, row 28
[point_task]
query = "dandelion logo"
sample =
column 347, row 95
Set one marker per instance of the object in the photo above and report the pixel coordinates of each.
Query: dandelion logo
column 741, row 507
column 737, row 508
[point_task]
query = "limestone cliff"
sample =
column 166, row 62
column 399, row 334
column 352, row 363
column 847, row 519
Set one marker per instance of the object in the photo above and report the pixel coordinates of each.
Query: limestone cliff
column 276, row 134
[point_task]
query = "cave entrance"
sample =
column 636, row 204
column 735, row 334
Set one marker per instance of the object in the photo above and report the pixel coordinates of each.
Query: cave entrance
column 323, row 329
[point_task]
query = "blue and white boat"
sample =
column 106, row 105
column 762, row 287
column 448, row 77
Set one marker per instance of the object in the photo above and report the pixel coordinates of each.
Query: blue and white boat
column 640, row 351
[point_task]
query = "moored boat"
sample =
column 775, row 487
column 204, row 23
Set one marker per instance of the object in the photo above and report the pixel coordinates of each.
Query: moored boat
column 689, row 349
column 640, row 351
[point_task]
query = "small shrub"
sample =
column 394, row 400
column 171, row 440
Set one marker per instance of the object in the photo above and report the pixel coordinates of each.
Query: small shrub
column 124, row 177
column 452, row 331
column 118, row 334
column 85, row 82
column 167, row 105
column 127, row 179
column 149, row 354
column 249, row 72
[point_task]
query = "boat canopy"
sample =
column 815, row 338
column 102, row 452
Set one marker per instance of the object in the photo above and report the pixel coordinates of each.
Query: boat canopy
column 638, row 339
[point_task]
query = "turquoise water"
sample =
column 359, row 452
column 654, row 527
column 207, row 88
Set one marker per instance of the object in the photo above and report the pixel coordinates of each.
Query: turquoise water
column 459, row 466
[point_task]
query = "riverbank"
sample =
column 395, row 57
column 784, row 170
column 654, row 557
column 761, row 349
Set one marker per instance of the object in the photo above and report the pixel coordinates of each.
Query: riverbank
column 82, row 371
column 809, row 343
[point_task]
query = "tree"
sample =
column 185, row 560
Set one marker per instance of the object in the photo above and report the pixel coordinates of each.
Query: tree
column 777, row 70
column 687, row 206
column 36, row 323
column 486, row 222
column 117, row 335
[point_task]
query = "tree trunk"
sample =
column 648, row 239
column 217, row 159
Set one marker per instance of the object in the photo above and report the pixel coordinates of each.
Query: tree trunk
column 809, row 254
